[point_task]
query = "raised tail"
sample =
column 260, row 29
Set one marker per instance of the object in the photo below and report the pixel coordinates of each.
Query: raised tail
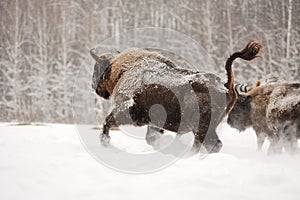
column 248, row 53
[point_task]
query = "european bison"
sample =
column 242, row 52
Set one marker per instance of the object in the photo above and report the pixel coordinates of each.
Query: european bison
column 142, row 82
column 273, row 111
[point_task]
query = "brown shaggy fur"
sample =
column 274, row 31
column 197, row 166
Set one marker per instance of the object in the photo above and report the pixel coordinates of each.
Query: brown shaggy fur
column 193, row 101
column 267, row 109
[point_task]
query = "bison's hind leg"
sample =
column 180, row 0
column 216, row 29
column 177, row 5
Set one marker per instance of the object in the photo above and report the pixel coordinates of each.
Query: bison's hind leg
column 209, row 140
column 153, row 135
column 212, row 143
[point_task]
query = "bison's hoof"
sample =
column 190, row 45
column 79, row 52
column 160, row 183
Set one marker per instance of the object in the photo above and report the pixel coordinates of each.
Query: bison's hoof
column 104, row 139
column 217, row 147
column 214, row 147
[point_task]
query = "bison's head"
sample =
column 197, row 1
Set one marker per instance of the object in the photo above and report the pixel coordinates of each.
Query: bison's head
column 240, row 115
column 101, row 73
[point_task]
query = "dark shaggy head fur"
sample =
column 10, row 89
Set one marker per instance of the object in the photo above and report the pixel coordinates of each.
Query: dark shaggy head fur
column 240, row 115
column 250, row 110
column 102, row 70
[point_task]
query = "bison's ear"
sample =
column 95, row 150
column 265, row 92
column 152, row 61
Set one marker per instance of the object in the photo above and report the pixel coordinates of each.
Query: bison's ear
column 93, row 54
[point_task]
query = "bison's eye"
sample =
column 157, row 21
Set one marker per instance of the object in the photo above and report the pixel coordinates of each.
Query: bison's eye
column 106, row 94
column 97, row 92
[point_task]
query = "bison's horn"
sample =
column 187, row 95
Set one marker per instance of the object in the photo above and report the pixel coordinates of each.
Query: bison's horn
column 93, row 54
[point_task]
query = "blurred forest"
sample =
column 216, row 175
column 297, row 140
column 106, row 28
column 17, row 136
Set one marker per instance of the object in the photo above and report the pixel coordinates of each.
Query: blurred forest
column 44, row 42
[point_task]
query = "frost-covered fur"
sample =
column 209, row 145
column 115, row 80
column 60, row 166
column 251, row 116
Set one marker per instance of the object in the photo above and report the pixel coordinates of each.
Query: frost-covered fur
column 283, row 115
column 140, row 80
column 271, row 110
column 240, row 116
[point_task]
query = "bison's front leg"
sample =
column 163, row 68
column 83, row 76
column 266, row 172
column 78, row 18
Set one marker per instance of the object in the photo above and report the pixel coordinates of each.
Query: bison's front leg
column 104, row 136
column 275, row 146
column 289, row 136
column 260, row 140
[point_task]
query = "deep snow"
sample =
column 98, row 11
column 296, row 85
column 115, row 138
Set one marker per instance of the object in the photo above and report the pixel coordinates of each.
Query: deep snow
column 49, row 162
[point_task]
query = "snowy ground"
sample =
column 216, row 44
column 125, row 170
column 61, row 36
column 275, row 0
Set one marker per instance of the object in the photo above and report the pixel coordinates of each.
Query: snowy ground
column 49, row 162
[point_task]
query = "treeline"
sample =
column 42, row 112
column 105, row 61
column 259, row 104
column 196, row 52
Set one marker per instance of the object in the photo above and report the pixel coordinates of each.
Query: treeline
column 45, row 42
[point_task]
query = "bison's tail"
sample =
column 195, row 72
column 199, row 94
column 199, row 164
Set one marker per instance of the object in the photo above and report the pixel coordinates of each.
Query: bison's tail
column 248, row 53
